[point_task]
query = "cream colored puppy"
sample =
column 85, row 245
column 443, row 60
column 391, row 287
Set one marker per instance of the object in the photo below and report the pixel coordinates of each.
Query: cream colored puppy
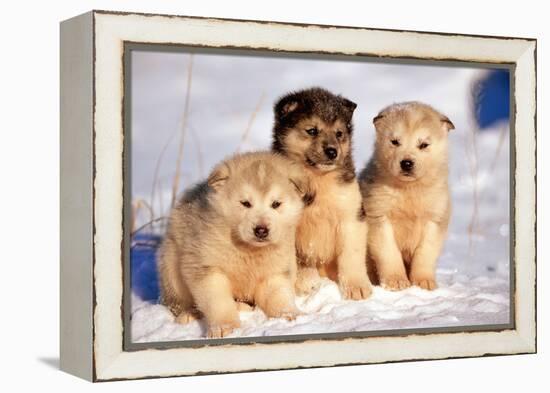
column 406, row 196
column 232, row 239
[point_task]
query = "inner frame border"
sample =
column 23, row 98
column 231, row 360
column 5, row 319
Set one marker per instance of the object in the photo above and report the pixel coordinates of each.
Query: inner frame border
column 129, row 46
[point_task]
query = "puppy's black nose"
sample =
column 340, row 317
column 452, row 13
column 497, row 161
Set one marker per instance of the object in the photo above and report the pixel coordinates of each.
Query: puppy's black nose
column 261, row 231
column 331, row 153
column 407, row 165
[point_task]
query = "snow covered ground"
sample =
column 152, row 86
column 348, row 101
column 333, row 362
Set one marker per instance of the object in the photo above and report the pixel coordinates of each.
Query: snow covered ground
column 461, row 301
column 473, row 271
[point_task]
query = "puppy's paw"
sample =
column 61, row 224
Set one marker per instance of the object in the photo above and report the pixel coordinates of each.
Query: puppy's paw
column 307, row 283
column 186, row 317
column 220, row 330
column 289, row 313
column 290, row 316
column 395, row 282
column 280, row 308
column 425, row 283
column 355, row 289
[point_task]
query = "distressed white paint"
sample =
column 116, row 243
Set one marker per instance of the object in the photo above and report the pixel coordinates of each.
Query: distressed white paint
column 112, row 30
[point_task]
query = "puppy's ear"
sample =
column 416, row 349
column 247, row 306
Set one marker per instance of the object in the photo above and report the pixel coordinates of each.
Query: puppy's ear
column 349, row 105
column 378, row 119
column 447, row 124
column 302, row 185
column 286, row 106
column 218, row 177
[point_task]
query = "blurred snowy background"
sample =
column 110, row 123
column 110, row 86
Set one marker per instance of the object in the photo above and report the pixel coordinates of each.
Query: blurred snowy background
column 213, row 105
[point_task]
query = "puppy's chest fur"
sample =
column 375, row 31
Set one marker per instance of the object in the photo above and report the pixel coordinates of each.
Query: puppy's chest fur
column 318, row 235
column 250, row 270
column 408, row 210
column 207, row 244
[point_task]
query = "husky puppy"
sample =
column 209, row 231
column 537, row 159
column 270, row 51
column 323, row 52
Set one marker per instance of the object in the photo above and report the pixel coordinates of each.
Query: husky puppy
column 406, row 195
column 231, row 239
column 313, row 128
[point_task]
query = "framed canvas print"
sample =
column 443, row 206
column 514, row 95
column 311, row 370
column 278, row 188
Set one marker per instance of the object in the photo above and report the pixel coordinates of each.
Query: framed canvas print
column 245, row 195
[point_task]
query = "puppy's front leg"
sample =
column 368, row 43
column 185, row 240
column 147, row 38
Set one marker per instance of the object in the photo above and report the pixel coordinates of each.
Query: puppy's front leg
column 307, row 279
column 275, row 296
column 214, row 298
column 382, row 247
column 352, row 266
column 425, row 257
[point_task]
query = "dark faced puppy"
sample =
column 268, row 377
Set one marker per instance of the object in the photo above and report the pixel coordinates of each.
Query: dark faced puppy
column 313, row 127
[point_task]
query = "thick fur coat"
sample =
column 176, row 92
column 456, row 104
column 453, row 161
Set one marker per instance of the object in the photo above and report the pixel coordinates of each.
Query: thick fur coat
column 232, row 239
column 406, row 195
column 314, row 129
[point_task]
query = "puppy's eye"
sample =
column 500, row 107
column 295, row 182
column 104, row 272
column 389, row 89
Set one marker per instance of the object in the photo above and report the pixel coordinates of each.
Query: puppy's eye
column 313, row 131
column 246, row 204
column 423, row 145
column 395, row 142
column 339, row 134
column 275, row 204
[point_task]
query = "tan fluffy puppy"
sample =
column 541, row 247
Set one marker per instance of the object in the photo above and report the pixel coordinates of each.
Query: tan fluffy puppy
column 231, row 239
column 406, row 195
column 313, row 127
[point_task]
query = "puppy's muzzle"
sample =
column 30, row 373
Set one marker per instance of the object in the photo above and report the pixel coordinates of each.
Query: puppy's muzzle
column 407, row 165
column 261, row 232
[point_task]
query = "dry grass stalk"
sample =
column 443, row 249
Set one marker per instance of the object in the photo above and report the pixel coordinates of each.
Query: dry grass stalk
column 251, row 122
column 474, row 174
column 501, row 138
column 138, row 205
column 153, row 221
column 175, row 184
column 161, row 204
column 473, row 161
column 156, row 181
column 200, row 160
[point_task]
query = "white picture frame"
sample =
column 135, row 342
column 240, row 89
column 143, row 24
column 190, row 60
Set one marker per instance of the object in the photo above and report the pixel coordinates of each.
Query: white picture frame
column 93, row 210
